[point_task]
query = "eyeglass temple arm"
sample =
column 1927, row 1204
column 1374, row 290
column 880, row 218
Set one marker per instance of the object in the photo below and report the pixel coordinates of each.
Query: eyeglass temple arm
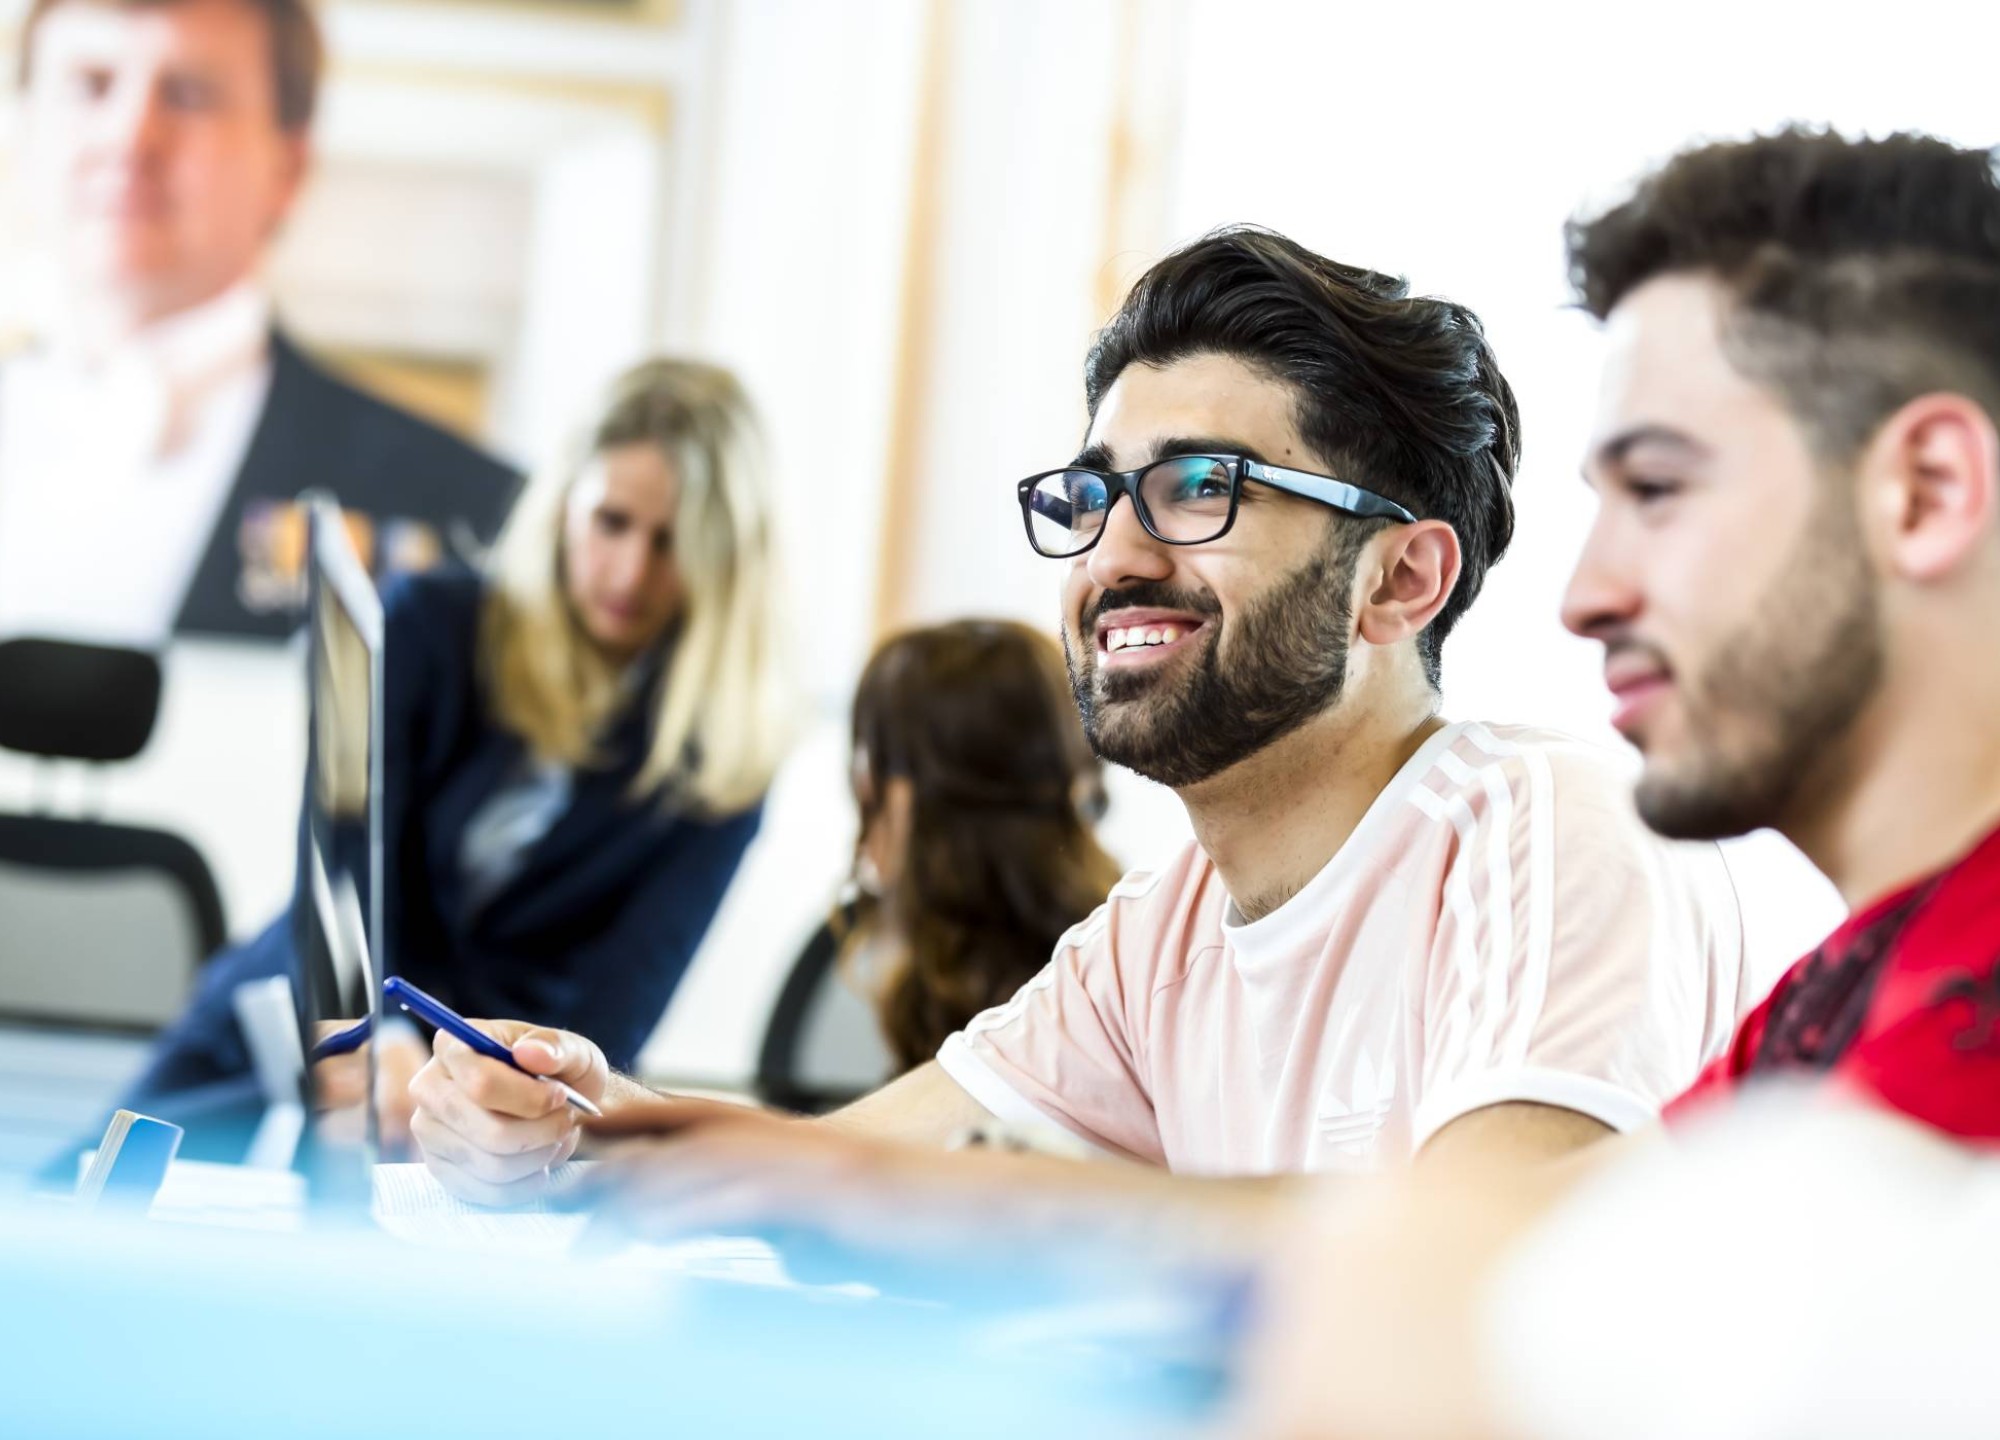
column 1337, row 493
column 1053, row 506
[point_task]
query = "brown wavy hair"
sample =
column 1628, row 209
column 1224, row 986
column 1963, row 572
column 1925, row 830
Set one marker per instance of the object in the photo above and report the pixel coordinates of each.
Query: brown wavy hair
column 1002, row 860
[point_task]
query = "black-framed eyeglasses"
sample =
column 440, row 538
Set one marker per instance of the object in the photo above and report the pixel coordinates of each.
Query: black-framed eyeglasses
column 1181, row 500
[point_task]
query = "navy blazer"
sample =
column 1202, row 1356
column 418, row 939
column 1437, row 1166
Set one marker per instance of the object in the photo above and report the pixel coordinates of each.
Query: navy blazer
column 320, row 433
column 591, row 934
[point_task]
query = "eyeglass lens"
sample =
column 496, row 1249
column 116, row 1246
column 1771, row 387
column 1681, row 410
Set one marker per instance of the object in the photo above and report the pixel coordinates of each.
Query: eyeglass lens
column 1183, row 500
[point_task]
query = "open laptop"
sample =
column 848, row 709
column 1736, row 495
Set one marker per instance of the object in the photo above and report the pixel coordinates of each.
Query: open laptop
column 339, row 911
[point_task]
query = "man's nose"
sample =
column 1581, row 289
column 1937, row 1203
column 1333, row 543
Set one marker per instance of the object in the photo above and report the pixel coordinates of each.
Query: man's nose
column 1125, row 552
column 132, row 120
column 1603, row 592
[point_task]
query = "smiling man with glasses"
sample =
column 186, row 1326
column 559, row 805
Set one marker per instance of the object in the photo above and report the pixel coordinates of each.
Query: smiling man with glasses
column 1393, row 937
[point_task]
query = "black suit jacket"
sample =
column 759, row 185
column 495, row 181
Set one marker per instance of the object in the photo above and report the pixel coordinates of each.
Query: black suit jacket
column 320, row 433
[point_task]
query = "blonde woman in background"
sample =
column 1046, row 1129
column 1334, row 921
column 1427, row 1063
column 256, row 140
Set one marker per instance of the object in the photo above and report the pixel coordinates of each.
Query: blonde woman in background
column 578, row 741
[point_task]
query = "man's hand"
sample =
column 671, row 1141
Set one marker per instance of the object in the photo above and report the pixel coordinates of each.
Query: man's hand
column 491, row 1134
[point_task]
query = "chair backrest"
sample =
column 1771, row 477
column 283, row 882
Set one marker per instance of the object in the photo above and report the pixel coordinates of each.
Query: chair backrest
column 104, row 924
column 823, row 1046
column 70, row 701
column 100, row 924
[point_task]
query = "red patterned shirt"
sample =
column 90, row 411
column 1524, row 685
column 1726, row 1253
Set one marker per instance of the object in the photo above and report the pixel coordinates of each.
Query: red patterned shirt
column 1901, row 1004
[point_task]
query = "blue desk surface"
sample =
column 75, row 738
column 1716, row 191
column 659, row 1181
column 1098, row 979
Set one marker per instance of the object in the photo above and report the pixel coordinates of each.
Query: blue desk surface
column 128, row 1328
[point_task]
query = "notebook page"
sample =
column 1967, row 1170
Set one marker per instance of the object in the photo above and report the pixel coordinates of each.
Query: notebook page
column 411, row 1205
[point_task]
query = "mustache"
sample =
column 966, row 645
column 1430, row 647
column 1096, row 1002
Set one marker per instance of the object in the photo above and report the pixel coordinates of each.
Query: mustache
column 1151, row 596
column 1620, row 645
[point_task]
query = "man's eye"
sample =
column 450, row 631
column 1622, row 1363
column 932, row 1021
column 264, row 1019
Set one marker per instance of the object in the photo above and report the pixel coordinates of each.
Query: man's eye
column 188, row 93
column 612, row 523
column 91, row 84
column 1197, row 482
column 1648, row 491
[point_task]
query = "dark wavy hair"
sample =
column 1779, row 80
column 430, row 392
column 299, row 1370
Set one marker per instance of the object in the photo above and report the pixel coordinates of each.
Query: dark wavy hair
column 1002, row 860
column 1397, row 393
column 1860, row 273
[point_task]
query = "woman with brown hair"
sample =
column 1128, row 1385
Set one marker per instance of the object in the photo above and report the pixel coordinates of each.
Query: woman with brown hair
column 976, row 791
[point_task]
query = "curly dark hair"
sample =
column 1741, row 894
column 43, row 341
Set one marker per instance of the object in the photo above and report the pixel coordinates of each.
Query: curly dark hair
column 1860, row 273
column 1395, row 392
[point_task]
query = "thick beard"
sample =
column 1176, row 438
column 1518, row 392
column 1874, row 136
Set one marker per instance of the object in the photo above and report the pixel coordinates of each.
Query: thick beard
column 1796, row 693
column 1280, row 664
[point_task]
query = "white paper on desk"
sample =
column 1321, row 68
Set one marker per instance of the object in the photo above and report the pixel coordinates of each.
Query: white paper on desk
column 411, row 1205
column 235, row 1197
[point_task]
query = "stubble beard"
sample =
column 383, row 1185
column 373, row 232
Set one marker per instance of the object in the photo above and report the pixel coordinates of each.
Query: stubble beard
column 1796, row 696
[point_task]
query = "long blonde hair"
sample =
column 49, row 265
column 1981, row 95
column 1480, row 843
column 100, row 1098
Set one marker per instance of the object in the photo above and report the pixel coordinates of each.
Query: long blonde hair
column 720, row 722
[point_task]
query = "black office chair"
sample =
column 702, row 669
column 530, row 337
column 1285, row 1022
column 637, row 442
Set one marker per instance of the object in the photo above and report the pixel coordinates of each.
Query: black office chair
column 104, row 924
column 823, row 1046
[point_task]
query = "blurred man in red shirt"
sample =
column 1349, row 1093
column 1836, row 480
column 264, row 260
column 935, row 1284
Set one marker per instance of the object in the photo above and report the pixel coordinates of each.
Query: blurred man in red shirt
column 1795, row 575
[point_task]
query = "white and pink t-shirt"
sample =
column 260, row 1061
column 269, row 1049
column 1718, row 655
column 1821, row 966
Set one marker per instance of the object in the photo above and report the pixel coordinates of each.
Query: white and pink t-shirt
column 1499, row 927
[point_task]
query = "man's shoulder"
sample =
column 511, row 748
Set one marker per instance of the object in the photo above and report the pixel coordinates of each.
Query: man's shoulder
column 373, row 443
column 1477, row 753
column 1480, row 774
column 1575, row 794
column 374, row 421
column 1157, row 916
column 1174, row 883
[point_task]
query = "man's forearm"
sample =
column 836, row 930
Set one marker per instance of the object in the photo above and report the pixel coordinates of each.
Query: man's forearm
column 1056, row 1201
column 622, row 1090
column 925, row 1107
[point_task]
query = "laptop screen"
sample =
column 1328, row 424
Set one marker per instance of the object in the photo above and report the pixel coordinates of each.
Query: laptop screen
column 340, row 862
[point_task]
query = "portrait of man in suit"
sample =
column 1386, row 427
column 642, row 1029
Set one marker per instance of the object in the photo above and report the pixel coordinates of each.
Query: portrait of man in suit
column 154, row 439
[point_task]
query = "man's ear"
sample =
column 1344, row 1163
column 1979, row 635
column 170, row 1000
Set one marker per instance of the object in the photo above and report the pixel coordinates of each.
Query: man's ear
column 294, row 163
column 1930, row 485
column 1409, row 572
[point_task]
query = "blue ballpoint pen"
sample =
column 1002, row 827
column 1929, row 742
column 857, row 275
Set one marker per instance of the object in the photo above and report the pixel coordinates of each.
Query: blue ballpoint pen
column 399, row 991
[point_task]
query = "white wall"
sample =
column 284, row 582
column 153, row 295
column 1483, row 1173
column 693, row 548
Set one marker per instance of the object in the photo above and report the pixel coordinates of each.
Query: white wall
column 816, row 208
column 801, row 248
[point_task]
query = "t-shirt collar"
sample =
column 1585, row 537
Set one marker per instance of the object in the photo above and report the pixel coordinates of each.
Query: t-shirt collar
column 1301, row 921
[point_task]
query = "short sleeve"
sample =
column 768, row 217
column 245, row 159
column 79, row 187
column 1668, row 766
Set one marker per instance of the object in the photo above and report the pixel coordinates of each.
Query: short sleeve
column 1068, row 1048
column 1719, row 1080
column 1579, row 961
